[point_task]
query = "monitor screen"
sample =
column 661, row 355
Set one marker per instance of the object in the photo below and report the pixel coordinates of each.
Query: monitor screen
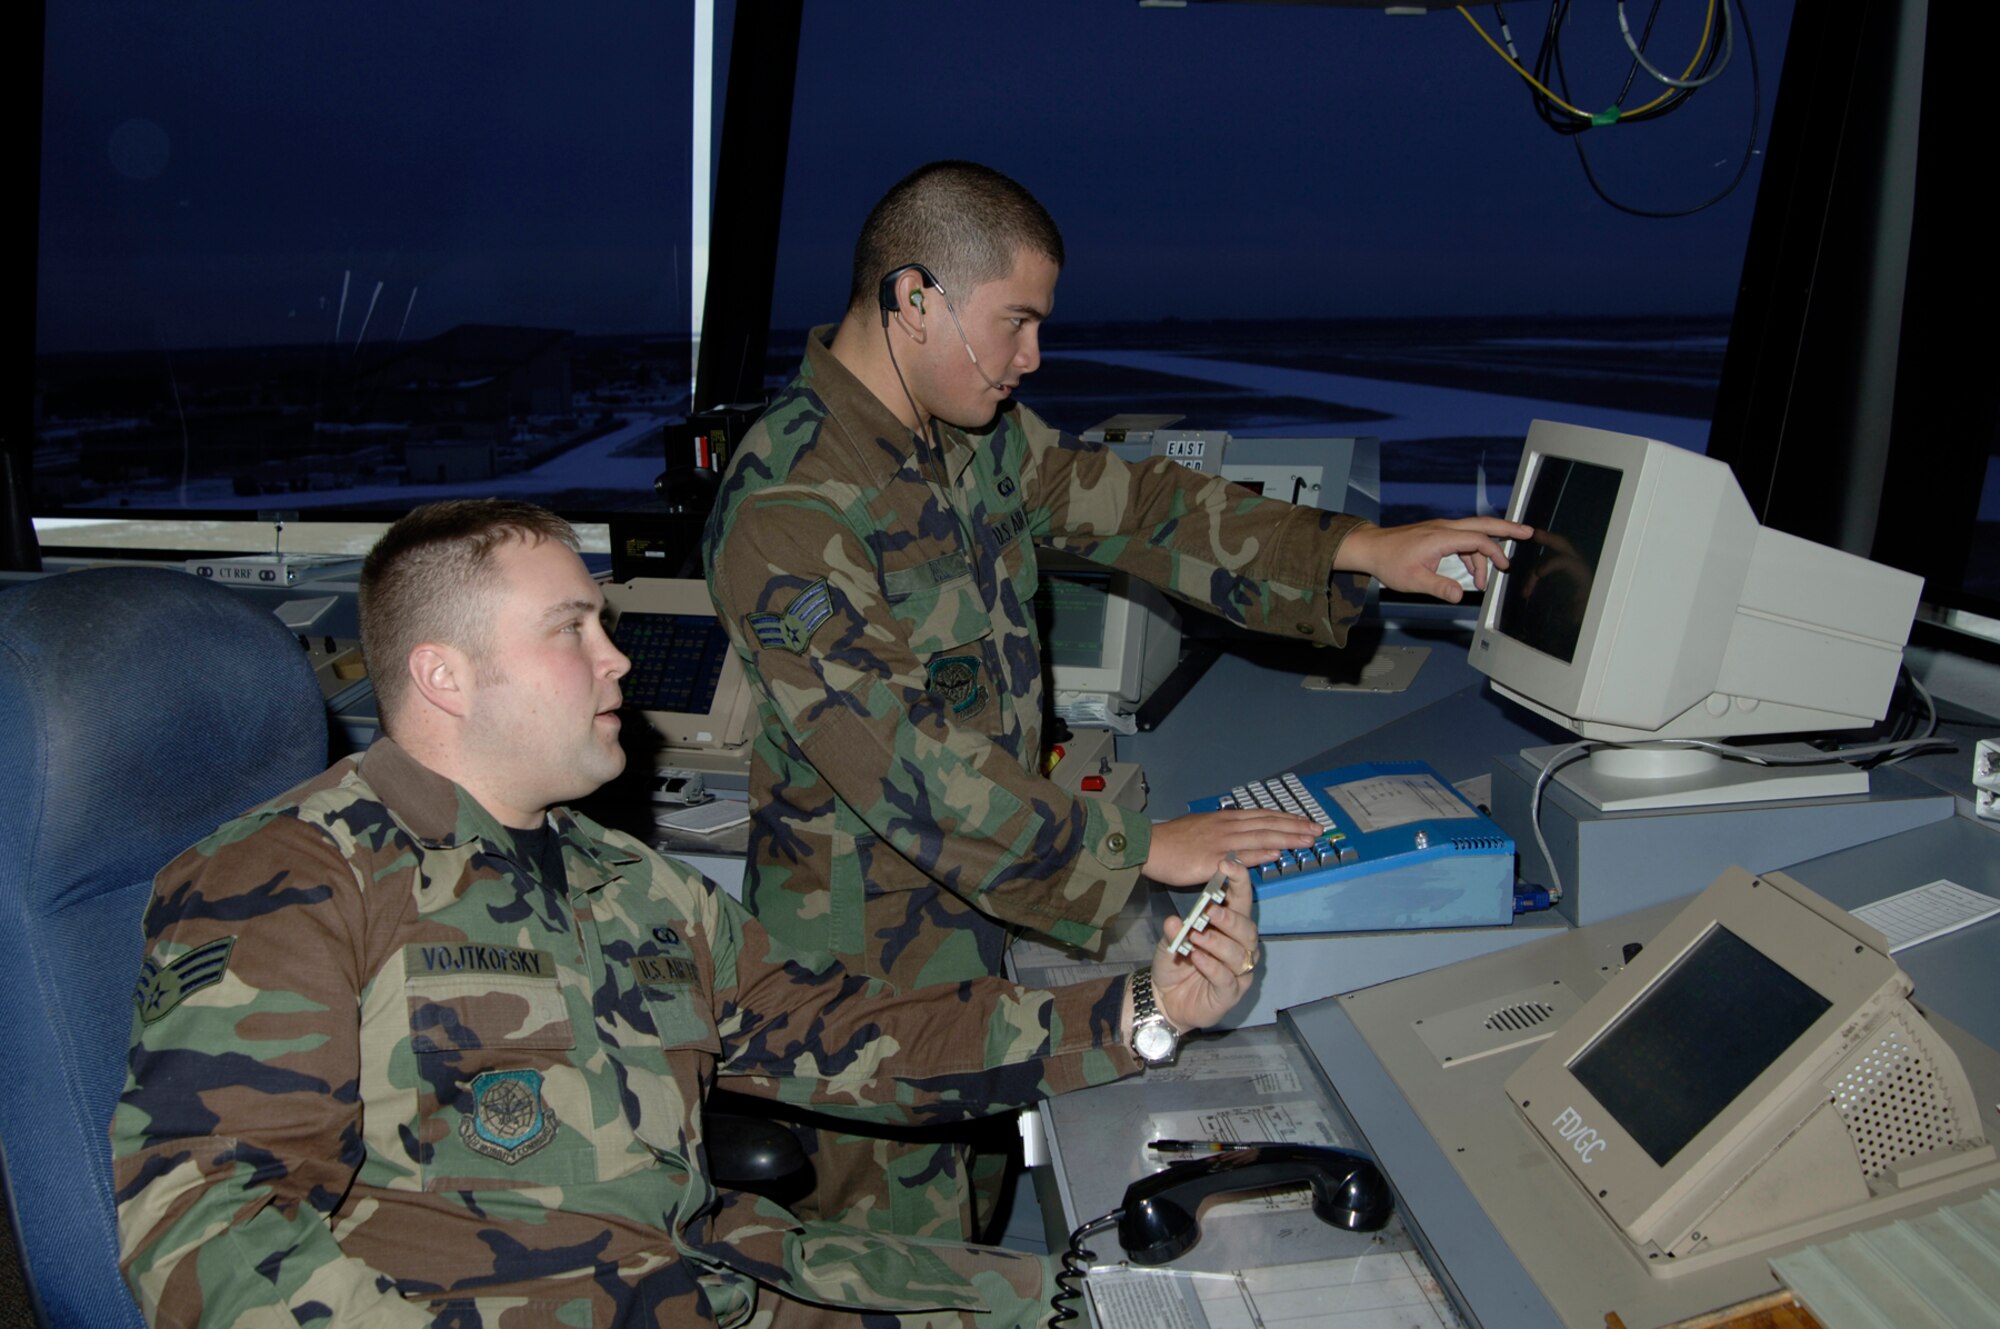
column 1696, row 1041
column 1547, row 590
column 1075, row 605
column 676, row 659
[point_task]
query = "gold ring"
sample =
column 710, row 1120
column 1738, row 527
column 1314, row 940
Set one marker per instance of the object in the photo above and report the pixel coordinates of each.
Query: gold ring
column 1249, row 962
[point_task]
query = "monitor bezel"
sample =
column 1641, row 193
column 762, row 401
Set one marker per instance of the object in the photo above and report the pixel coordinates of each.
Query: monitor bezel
column 1562, row 685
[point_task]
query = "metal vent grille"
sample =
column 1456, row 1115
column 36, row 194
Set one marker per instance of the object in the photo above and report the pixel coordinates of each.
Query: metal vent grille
column 1520, row 1016
column 1895, row 1105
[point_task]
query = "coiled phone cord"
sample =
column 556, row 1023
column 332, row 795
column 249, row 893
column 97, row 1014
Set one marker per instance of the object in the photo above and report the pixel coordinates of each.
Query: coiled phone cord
column 1076, row 1263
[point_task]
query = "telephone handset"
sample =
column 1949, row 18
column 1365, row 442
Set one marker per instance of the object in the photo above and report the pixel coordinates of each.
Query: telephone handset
column 1159, row 1220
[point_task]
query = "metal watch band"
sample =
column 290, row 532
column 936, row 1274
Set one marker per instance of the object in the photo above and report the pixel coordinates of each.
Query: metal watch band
column 1144, row 1008
column 1154, row 1037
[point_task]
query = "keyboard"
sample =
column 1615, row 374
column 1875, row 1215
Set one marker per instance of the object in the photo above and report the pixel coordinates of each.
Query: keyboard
column 1398, row 849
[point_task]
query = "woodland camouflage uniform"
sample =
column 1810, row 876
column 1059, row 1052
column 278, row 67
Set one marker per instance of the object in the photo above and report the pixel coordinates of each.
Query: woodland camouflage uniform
column 882, row 600
column 384, row 1073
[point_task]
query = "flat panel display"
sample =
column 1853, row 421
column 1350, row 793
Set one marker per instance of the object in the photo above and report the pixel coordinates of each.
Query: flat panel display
column 677, row 660
column 1682, row 1053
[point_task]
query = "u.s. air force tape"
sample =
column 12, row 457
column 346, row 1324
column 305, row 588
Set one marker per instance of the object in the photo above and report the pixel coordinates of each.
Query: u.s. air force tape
column 792, row 628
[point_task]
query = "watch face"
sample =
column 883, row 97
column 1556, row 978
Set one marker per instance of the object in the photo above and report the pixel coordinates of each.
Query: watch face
column 1155, row 1042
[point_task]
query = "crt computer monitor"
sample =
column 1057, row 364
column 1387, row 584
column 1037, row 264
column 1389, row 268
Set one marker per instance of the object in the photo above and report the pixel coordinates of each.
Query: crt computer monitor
column 1109, row 638
column 1651, row 605
column 1756, row 1076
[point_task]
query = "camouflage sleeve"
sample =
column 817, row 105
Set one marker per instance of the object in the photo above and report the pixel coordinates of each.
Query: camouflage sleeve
column 857, row 701
column 239, row 1128
column 1259, row 563
column 802, row 1030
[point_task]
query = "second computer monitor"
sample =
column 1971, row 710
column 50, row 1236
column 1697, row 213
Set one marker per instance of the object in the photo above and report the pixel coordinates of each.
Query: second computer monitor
column 1109, row 638
column 684, row 678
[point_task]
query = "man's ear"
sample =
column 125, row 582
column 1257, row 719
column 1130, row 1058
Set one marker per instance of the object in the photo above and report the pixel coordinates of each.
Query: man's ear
column 913, row 305
column 441, row 676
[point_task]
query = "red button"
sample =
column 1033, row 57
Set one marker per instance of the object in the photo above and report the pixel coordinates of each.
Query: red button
column 1093, row 784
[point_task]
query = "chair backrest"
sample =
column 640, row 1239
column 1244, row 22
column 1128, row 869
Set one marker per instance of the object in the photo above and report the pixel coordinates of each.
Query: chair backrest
column 139, row 709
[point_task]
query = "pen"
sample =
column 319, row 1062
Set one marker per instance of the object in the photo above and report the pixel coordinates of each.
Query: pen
column 1213, row 1146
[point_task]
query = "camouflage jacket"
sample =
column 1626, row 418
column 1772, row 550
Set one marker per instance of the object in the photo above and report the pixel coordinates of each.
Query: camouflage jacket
column 886, row 620
column 379, row 1073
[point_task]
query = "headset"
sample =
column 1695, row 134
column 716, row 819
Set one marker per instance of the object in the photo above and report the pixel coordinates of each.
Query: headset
column 885, row 296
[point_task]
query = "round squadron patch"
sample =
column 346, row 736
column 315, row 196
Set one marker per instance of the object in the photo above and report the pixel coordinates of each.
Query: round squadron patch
column 955, row 678
column 508, row 1120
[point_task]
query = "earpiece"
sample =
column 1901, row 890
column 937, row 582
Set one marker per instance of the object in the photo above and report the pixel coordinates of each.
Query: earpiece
column 885, row 295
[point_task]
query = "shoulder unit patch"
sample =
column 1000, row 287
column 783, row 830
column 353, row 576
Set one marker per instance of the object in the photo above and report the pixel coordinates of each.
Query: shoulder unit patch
column 792, row 629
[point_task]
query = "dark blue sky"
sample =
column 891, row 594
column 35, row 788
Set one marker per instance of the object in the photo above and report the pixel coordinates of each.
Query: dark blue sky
column 1240, row 160
column 212, row 169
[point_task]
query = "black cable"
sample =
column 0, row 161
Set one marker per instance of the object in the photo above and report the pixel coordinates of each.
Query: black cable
column 1076, row 1263
column 1911, row 717
column 928, row 444
column 1550, row 71
column 1742, row 165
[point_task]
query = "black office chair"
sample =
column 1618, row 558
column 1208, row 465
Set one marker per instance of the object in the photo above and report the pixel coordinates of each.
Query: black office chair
column 139, row 709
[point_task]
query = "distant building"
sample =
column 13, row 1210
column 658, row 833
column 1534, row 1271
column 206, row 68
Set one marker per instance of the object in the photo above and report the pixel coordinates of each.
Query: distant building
column 438, row 461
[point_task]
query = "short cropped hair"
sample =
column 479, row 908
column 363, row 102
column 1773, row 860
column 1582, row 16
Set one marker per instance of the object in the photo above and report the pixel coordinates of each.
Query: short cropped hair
column 963, row 221
column 431, row 578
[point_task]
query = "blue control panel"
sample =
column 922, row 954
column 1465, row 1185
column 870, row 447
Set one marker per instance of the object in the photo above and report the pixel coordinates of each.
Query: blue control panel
column 1398, row 849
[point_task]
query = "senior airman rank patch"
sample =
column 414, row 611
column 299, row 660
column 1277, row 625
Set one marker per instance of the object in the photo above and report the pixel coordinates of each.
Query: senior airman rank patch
column 160, row 989
column 955, row 678
column 509, row 1119
column 792, row 630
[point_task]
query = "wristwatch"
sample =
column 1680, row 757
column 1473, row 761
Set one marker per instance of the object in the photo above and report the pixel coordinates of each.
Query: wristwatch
column 1153, row 1037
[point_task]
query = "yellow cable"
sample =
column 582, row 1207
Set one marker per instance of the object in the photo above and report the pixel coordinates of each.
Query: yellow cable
column 1708, row 27
column 1515, row 66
